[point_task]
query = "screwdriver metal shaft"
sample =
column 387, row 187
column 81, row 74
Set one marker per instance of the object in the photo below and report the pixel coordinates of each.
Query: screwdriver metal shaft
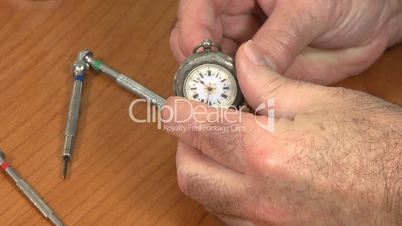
column 79, row 68
column 123, row 80
column 29, row 192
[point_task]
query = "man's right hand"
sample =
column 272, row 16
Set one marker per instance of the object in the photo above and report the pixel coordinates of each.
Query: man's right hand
column 322, row 41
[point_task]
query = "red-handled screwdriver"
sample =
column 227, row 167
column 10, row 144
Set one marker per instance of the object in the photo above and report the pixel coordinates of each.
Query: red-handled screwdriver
column 29, row 192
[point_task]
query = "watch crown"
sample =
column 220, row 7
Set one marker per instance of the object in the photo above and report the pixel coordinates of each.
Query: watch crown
column 207, row 45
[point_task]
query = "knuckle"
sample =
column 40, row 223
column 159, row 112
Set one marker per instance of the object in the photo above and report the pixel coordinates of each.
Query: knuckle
column 254, row 155
column 259, row 161
column 225, row 142
column 190, row 184
column 223, row 139
column 217, row 135
column 264, row 158
column 196, row 186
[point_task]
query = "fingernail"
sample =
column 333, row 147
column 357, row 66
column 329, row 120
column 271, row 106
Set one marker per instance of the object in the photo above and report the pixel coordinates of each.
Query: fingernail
column 255, row 55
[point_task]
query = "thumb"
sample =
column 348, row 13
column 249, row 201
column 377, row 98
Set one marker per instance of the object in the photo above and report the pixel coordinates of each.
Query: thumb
column 259, row 84
column 291, row 26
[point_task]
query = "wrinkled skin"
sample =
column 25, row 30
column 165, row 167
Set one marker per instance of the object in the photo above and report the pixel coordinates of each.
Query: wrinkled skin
column 335, row 157
column 323, row 41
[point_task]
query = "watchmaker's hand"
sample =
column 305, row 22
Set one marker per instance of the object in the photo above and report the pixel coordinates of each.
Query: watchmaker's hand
column 334, row 157
column 312, row 40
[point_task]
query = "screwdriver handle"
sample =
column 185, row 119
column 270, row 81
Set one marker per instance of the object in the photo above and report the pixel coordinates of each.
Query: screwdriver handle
column 29, row 192
column 139, row 90
column 73, row 114
column 35, row 199
column 126, row 82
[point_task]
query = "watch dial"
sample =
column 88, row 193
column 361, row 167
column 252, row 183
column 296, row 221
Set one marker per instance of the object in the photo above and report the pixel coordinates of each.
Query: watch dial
column 212, row 85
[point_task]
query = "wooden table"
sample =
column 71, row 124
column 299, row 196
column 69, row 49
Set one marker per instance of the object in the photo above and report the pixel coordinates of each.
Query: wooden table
column 123, row 173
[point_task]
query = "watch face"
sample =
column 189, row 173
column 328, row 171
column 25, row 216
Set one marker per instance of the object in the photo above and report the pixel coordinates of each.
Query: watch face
column 211, row 84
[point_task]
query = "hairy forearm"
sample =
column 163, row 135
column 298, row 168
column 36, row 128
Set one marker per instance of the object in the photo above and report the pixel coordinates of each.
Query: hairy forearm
column 394, row 171
column 395, row 203
column 395, row 206
column 398, row 190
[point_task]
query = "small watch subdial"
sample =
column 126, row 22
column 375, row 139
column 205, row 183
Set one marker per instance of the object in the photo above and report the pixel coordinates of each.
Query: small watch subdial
column 211, row 84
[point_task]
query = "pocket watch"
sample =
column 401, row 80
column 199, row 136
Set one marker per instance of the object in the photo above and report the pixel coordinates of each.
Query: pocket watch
column 209, row 76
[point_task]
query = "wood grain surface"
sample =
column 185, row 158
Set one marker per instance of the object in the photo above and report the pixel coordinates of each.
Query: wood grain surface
column 122, row 173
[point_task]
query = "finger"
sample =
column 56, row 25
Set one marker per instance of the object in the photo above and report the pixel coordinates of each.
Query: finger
column 260, row 84
column 234, row 139
column 240, row 28
column 396, row 32
column 174, row 45
column 291, row 26
column 198, row 20
column 229, row 46
column 330, row 66
column 216, row 187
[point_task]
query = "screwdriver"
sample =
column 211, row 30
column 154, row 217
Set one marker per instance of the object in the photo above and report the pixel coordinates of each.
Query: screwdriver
column 79, row 68
column 123, row 80
column 29, row 192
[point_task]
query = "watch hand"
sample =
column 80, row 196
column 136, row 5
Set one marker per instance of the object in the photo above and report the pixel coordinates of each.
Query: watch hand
column 202, row 82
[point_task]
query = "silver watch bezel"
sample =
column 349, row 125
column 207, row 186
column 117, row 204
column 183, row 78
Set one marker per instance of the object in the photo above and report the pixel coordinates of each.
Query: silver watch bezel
column 207, row 57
